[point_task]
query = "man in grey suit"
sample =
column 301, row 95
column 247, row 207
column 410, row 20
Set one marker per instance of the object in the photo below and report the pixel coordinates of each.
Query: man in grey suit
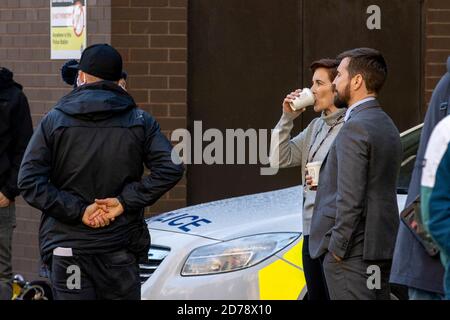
column 356, row 217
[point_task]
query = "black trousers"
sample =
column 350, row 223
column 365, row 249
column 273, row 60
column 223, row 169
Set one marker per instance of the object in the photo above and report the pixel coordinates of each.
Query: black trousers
column 353, row 278
column 7, row 223
column 314, row 275
column 111, row 276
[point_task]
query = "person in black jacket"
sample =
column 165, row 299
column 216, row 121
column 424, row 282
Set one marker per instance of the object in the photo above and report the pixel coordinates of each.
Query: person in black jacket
column 83, row 169
column 16, row 129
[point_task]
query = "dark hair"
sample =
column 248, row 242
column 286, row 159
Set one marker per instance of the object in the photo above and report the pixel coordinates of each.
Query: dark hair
column 124, row 75
column 329, row 64
column 370, row 64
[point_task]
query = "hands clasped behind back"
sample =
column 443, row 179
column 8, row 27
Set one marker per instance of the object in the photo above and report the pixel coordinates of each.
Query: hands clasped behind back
column 102, row 212
column 4, row 201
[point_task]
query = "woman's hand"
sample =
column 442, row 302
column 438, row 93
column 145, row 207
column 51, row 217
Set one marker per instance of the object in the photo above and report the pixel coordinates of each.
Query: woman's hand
column 289, row 98
column 308, row 181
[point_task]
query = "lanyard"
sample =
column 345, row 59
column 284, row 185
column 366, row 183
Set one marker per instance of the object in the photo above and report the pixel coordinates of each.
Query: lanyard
column 325, row 138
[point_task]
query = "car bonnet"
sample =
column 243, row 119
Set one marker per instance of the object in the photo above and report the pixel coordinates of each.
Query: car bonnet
column 274, row 211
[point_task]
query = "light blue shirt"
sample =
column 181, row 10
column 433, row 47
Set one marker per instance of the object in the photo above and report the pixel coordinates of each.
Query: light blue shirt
column 353, row 106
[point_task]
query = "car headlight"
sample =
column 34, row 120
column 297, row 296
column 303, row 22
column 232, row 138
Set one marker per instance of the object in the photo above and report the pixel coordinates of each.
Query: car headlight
column 236, row 254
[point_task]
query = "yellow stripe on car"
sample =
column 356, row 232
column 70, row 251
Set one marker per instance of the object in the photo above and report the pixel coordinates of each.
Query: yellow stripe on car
column 281, row 280
column 16, row 291
column 294, row 255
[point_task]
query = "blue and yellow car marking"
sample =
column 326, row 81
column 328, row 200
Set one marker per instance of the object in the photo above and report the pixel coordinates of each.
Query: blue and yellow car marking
column 283, row 279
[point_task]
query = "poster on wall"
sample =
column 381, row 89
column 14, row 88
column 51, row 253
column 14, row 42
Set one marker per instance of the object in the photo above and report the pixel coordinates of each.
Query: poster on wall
column 67, row 28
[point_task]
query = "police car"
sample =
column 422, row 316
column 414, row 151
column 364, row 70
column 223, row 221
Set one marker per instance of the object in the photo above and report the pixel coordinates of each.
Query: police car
column 247, row 247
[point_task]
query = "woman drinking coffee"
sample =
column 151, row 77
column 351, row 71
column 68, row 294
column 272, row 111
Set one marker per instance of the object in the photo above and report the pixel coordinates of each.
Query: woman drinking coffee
column 309, row 147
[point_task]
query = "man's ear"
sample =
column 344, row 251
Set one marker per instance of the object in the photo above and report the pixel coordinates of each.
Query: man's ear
column 357, row 81
column 82, row 76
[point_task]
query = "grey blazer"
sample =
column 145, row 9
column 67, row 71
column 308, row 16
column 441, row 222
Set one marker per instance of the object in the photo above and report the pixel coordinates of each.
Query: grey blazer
column 356, row 209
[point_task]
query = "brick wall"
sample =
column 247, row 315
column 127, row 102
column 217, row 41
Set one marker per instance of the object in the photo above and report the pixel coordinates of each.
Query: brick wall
column 152, row 38
column 151, row 35
column 437, row 42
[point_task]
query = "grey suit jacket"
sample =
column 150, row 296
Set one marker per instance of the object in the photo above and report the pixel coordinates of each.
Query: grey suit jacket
column 356, row 209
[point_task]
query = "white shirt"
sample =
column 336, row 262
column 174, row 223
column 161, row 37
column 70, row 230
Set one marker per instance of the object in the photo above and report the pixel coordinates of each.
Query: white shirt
column 353, row 106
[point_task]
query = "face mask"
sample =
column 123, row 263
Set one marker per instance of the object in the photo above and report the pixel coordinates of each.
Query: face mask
column 122, row 83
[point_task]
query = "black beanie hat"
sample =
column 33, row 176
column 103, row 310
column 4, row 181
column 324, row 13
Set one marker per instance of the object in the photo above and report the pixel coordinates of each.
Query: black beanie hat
column 101, row 61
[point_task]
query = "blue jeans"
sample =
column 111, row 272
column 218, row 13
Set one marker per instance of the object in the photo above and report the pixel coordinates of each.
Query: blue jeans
column 7, row 224
column 446, row 262
column 418, row 294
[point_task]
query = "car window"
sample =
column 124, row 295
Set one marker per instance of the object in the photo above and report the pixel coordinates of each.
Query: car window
column 410, row 143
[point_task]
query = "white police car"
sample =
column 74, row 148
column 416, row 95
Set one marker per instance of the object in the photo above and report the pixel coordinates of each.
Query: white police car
column 246, row 247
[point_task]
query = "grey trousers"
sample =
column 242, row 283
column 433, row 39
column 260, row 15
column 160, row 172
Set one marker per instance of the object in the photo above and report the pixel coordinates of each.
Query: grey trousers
column 355, row 279
column 7, row 224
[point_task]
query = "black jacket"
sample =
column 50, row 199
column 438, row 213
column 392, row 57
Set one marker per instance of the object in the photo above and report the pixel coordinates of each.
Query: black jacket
column 16, row 129
column 93, row 144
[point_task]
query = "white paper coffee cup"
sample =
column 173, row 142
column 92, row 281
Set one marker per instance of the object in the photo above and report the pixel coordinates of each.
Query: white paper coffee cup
column 313, row 170
column 305, row 99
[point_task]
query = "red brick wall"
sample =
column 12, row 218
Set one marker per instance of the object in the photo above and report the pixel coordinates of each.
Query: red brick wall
column 437, row 42
column 151, row 34
column 152, row 38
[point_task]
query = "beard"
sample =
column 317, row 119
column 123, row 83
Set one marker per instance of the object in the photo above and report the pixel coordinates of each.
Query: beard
column 341, row 100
